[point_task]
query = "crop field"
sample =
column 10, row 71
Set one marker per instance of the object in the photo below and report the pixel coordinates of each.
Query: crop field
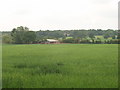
column 60, row 66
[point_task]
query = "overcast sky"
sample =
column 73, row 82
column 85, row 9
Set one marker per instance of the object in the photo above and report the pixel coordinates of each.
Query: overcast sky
column 58, row 14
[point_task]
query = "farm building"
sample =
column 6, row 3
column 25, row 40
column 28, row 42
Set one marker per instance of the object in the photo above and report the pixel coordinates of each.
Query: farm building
column 52, row 41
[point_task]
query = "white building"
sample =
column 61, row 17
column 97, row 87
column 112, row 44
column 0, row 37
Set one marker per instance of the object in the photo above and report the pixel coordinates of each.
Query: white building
column 53, row 41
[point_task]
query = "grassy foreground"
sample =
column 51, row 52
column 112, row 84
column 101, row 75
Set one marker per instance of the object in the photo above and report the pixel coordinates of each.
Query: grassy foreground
column 60, row 66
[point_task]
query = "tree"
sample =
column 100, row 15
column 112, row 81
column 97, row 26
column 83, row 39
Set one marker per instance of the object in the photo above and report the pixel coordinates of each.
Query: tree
column 7, row 39
column 71, row 40
column 22, row 35
column 106, row 35
column 29, row 37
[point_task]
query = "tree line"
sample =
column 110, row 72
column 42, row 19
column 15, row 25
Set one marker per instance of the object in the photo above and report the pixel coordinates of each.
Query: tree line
column 22, row 35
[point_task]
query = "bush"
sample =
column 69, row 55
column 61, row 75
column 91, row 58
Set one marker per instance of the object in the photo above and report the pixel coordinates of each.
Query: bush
column 7, row 39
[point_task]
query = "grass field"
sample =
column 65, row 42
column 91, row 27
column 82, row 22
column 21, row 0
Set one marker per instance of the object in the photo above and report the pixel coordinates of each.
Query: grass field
column 60, row 66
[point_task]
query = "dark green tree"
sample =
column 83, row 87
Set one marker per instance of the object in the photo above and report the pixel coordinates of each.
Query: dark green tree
column 29, row 37
column 22, row 35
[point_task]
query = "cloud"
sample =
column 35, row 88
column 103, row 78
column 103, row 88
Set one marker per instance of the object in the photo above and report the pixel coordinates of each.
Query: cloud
column 59, row 14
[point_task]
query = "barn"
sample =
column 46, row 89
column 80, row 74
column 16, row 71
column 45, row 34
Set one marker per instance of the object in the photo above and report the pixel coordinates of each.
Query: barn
column 52, row 41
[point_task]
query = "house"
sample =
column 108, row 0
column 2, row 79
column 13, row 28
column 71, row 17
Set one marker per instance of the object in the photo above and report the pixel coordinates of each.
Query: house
column 52, row 41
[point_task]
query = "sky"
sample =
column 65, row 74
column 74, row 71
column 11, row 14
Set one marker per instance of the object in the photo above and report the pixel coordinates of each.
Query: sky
column 58, row 14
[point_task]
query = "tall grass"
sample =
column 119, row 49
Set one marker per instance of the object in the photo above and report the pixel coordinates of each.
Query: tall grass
column 60, row 66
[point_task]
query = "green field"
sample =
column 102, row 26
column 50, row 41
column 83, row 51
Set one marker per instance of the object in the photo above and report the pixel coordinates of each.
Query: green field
column 60, row 66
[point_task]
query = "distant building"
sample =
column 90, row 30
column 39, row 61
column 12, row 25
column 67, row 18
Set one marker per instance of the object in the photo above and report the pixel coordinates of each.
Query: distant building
column 116, row 36
column 52, row 41
column 66, row 34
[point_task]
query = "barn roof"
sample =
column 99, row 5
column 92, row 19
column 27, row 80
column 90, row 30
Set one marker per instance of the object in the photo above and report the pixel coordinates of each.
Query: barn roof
column 52, row 40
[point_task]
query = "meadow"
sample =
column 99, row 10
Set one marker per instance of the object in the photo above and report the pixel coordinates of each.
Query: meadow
column 60, row 66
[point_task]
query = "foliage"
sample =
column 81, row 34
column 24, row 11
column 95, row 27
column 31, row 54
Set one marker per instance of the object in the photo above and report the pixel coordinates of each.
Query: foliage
column 30, row 37
column 22, row 35
column 7, row 39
